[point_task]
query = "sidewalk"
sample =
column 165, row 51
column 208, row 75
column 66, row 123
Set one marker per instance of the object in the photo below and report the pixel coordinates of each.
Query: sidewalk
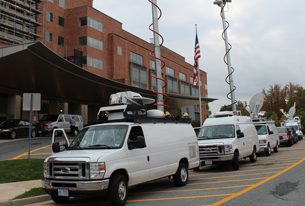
column 10, row 190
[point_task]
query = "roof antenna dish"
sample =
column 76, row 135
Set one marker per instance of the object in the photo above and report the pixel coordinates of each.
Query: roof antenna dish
column 292, row 111
column 255, row 104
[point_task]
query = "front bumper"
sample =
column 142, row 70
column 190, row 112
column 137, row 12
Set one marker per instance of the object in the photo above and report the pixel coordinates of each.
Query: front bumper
column 215, row 159
column 75, row 186
column 263, row 148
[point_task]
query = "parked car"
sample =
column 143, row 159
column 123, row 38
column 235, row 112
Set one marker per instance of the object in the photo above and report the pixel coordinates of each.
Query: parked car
column 49, row 122
column 13, row 128
column 285, row 136
column 294, row 134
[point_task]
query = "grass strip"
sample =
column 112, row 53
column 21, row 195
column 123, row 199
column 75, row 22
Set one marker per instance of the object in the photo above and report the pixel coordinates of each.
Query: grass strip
column 21, row 170
column 31, row 193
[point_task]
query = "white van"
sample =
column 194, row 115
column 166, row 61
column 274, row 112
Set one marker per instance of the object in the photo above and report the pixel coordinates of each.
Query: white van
column 227, row 138
column 133, row 146
column 49, row 122
column 268, row 136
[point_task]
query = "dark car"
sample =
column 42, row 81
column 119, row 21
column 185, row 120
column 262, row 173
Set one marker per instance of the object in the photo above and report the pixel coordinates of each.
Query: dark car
column 294, row 134
column 285, row 136
column 13, row 128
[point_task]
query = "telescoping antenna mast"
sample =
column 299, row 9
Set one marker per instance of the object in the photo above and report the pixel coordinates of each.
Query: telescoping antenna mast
column 227, row 58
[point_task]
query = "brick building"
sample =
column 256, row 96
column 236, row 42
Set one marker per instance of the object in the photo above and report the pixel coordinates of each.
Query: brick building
column 96, row 42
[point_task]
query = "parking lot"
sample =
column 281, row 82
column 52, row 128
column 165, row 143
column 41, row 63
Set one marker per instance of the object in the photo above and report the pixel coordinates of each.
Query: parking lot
column 212, row 185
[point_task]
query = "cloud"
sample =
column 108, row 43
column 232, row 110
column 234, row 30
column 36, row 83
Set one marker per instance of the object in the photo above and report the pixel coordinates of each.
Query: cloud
column 267, row 39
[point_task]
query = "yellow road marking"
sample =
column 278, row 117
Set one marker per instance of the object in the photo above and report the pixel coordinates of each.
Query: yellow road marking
column 30, row 152
column 179, row 198
column 234, row 175
column 202, row 189
column 258, row 178
column 257, row 184
column 239, row 171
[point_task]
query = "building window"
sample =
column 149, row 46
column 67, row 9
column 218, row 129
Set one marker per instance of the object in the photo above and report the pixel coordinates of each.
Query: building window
column 61, row 41
column 182, row 77
column 120, row 51
column 48, row 37
column 61, row 21
column 49, row 16
column 191, row 80
column 152, row 65
column 136, row 58
column 87, row 21
column 51, row 1
column 172, row 85
column 92, row 62
column 62, row 3
column 184, row 88
column 139, row 77
column 89, row 41
column 170, row 72
column 195, row 91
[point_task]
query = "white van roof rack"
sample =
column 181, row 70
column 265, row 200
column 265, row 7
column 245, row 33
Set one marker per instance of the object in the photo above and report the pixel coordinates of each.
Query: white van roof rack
column 131, row 106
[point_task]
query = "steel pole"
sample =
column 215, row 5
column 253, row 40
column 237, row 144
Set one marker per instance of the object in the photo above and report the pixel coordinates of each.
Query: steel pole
column 30, row 129
column 158, row 55
column 228, row 57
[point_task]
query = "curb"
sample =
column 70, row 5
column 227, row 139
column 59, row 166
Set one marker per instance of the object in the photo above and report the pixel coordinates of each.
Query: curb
column 26, row 201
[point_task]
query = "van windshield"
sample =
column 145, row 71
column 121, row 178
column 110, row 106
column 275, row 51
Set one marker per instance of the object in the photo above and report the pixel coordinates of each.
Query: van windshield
column 49, row 117
column 216, row 132
column 100, row 137
column 261, row 129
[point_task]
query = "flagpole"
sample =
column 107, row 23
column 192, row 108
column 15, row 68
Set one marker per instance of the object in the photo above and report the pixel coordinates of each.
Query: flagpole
column 199, row 87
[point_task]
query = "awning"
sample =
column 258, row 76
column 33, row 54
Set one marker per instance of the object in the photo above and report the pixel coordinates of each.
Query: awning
column 34, row 68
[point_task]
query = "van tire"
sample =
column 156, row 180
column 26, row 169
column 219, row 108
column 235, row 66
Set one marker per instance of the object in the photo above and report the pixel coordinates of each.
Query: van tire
column 268, row 151
column 59, row 199
column 236, row 161
column 118, row 190
column 253, row 156
column 276, row 148
column 181, row 177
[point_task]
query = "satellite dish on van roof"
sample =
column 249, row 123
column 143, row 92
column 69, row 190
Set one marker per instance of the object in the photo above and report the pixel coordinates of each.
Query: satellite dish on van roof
column 292, row 110
column 256, row 103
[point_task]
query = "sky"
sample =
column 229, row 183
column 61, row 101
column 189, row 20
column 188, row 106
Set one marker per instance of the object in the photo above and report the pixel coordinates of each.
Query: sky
column 266, row 38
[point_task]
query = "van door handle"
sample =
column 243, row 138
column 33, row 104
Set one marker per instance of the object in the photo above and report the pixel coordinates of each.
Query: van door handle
column 147, row 158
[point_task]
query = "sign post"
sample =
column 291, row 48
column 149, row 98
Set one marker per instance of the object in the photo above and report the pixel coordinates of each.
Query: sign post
column 31, row 102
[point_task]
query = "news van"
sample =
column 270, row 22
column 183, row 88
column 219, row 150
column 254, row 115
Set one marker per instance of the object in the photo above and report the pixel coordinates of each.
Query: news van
column 133, row 146
column 227, row 138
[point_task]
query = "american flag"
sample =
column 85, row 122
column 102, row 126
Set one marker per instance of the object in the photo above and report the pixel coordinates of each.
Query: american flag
column 196, row 64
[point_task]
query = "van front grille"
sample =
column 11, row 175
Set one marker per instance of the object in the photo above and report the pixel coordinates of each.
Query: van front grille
column 68, row 170
column 210, row 150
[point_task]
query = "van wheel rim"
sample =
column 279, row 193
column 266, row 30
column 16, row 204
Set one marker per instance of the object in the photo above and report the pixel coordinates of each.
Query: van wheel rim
column 183, row 174
column 122, row 190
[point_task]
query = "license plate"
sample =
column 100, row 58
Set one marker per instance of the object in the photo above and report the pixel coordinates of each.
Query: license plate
column 63, row 192
column 39, row 131
column 208, row 162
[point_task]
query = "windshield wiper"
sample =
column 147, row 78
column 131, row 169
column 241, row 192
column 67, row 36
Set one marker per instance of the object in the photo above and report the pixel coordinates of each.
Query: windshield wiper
column 99, row 146
column 203, row 137
column 222, row 135
column 74, row 148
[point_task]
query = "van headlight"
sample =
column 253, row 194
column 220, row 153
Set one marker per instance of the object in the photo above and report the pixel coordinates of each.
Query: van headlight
column 45, row 169
column 97, row 170
column 263, row 141
column 228, row 148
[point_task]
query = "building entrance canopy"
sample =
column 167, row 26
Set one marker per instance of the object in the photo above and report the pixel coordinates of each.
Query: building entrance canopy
column 33, row 68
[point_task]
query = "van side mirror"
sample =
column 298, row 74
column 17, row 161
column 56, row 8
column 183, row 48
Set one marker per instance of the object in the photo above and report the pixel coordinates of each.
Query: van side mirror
column 271, row 132
column 239, row 134
column 138, row 143
column 56, row 147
